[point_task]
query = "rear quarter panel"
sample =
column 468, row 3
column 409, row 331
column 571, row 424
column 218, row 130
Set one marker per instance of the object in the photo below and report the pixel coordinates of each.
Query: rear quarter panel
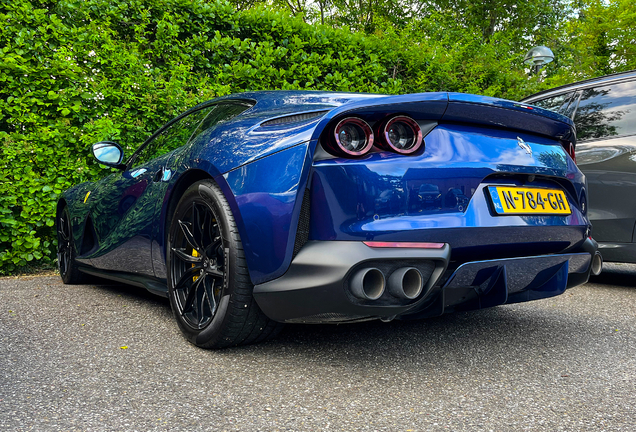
column 262, row 172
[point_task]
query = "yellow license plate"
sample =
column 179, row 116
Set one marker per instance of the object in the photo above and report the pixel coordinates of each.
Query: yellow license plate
column 528, row 200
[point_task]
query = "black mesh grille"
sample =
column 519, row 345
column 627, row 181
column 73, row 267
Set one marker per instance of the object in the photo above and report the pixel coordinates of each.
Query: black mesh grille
column 89, row 240
column 302, row 234
column 329, row 318
column 293, row 118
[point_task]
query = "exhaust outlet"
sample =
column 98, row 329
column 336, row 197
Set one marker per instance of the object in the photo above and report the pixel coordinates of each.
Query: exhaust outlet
column 368, row 284
column 597, row 264
column 406, row 283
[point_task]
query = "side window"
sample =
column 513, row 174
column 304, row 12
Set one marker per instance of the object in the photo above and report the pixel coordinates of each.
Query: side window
column 607, row 111
column 220, row 114
column 560, row 104
column 172, row 138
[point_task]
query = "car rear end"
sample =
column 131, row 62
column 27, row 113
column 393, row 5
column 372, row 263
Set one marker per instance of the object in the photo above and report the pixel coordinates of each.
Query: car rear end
column 378, row 239
column 604, row 112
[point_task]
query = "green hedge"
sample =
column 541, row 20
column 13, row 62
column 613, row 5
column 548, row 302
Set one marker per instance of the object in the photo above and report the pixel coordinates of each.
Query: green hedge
column 75, row 72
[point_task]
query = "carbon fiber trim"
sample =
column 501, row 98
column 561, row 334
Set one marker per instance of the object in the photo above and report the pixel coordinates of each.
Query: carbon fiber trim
column 302, row 234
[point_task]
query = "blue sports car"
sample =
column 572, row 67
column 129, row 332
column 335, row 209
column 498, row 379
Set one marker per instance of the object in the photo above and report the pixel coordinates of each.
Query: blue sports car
column 257, row 209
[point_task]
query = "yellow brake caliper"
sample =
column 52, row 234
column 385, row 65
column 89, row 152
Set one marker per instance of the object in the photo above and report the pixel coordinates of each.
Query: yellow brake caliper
column 194, row 254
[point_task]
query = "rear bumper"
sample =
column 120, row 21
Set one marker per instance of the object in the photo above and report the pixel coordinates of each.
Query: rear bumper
column 317, row 286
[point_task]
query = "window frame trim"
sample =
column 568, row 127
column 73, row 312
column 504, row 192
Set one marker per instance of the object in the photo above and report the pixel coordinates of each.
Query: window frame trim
column 131, row 160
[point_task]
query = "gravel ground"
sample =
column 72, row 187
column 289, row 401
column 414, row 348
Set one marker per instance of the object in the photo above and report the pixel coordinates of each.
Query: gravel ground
column 112, row 358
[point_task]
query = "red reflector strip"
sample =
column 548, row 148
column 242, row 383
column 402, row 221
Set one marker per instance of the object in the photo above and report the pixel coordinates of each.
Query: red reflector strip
column 379, row 244
column 569, row 148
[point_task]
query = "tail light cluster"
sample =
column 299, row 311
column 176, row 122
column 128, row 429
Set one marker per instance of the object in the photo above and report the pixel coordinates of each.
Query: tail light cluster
column 353, row 137
column 569, row 148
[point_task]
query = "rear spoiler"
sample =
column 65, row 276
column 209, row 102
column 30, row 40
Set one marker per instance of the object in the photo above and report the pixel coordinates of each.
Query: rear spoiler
column 508, row 114
column 463, row 108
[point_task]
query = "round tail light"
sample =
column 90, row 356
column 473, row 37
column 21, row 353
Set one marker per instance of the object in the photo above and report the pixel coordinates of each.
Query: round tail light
column 352, row 136
column 401, row 134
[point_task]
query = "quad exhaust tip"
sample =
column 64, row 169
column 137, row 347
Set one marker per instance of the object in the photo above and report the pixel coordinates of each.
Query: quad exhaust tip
column 406, row 283
column 368, row 284
column 597, row 264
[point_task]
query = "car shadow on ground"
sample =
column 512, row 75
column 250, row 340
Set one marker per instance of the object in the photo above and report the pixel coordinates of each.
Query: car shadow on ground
column 527, row 332
column 620, row 274
column 462, row 341
column 523, row 332
column 130, row 291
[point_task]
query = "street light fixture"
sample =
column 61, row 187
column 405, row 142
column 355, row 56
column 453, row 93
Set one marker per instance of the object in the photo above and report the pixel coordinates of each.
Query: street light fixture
column 538, row 57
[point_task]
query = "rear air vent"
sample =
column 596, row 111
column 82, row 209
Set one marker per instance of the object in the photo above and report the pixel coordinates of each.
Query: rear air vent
column 296, row 118
column 302, row 235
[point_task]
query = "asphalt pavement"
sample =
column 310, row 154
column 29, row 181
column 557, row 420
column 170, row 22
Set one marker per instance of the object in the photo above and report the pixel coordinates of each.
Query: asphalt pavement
column 112, row 358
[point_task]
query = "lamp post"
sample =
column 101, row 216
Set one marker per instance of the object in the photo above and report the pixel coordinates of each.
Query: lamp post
column 538, row 57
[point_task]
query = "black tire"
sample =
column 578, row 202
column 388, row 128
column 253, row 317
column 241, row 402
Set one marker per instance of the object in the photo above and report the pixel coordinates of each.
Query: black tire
column 66, row 250
column 209, row 287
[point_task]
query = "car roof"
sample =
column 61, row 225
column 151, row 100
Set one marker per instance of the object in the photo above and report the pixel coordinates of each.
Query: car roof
column 619, row 76
column 273, row 100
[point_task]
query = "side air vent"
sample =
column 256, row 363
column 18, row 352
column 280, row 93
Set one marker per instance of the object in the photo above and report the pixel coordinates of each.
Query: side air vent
column 89, row 242
column 296, row 118
column 302, row 235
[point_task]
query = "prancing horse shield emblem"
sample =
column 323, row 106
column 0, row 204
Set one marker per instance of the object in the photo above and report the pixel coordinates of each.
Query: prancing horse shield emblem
column 524, row 146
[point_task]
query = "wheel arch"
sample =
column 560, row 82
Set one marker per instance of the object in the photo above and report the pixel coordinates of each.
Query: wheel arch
column 174, row 194
column 59, row 207
column 265, row 197
column 61, row 203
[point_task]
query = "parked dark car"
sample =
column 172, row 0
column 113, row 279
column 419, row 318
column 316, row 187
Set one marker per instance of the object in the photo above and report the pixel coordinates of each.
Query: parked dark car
column 455, row 198
column 389, row 201
column 430, row 196
column 263, row 208
column 604, row 111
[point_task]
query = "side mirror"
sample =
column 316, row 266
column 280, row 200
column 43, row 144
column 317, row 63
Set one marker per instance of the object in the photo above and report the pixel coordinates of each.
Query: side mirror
column 108, row 153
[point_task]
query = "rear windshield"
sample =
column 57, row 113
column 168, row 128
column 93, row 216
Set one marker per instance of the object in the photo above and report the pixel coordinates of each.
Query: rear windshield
column 606, row 111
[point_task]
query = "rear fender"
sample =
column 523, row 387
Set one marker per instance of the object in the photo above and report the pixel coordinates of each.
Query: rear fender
column 265, row 197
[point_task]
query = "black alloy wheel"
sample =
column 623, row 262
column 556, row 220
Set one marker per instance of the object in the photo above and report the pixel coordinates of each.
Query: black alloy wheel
column 66, row 250
column 198, row 265
column 209, row 287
